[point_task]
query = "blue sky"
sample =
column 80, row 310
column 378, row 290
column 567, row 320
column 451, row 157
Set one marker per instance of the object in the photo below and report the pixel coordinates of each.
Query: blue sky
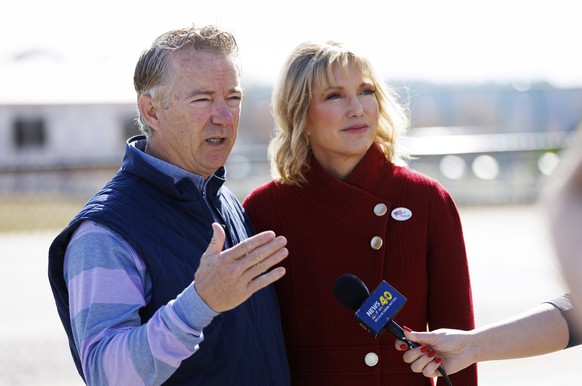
column 86, row 49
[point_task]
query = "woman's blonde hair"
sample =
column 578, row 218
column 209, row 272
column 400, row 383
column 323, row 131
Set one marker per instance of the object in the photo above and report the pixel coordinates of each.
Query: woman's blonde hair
column 311, row 66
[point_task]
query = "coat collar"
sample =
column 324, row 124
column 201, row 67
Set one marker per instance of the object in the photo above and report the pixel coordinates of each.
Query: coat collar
column 352, row 200
column 170, row 179
column 371, row 174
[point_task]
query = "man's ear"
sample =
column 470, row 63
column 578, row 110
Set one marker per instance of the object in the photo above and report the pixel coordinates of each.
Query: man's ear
column 148, row 109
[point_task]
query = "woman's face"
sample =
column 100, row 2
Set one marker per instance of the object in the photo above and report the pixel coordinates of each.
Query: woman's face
column 342, row 121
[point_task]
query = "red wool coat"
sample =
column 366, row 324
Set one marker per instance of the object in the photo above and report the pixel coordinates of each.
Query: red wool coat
column 330, row 225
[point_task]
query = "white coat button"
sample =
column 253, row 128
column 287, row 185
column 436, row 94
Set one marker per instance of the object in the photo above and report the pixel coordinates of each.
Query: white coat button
column 371, row 359
column 376, row 242
column 380, row 210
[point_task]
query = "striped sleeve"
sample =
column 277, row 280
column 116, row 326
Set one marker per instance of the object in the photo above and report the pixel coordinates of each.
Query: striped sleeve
column 108, row 284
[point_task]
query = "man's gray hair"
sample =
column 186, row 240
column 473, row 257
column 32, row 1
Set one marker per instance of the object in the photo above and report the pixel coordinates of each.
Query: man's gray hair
column 151, row 78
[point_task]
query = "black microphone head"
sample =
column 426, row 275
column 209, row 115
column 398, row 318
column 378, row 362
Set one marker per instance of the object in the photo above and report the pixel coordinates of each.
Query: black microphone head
column 350, row 291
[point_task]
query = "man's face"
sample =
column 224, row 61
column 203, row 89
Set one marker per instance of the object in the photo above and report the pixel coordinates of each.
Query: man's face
column 197, row 127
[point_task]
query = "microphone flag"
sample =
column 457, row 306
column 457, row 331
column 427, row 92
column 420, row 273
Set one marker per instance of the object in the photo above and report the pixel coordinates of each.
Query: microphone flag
column 379, row 308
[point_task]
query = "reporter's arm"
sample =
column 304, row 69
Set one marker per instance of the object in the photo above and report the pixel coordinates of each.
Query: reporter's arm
column 541, row 330
column 561, row 199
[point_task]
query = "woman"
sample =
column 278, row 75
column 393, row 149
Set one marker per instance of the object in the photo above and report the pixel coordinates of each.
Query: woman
column 345, row 206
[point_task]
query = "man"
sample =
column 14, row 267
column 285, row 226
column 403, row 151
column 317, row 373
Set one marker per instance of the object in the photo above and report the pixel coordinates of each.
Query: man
column 141, row 271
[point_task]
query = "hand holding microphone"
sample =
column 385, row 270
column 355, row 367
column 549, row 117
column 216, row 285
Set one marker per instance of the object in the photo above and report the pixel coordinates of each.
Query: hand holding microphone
column 375, row 312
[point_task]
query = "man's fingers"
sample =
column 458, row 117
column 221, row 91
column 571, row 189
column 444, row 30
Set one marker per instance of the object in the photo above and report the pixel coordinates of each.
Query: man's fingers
column 226, row 278
column 264, row 280
column 217, row 241
column 263, row 262
column 248, row 247
column 263, row 253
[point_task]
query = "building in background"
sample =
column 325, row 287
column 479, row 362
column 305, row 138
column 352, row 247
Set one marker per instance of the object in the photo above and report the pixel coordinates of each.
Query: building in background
column 486, row 144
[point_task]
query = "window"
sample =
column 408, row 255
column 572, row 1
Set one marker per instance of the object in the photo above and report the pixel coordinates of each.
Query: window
column 28, row 133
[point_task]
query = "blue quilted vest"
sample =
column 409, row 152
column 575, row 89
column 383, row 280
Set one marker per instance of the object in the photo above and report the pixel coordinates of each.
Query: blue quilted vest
column 169, row 226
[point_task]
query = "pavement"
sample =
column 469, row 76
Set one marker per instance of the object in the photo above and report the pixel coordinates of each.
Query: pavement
column 512, row 267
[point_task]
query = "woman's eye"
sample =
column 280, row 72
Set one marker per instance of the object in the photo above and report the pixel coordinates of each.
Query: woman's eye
column 333, row 96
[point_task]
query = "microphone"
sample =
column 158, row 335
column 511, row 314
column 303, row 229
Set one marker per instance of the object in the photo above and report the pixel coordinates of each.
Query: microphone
column 375, row 311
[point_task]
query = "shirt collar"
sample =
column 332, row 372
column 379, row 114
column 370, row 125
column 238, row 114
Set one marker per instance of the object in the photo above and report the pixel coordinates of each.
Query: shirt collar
column 176, row 172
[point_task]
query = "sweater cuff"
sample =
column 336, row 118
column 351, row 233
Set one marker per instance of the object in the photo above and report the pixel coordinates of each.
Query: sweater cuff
column 564, row 304
column 191, row 309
